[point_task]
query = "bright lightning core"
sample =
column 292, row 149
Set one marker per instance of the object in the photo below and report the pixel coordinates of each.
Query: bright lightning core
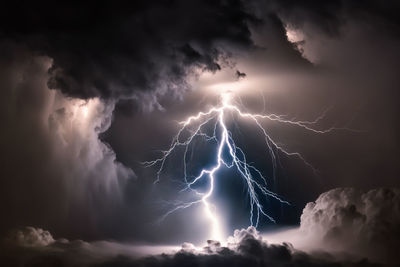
column 256, row 182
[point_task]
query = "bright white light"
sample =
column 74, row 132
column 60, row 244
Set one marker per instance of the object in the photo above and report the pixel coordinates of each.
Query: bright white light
column 256, row 182
column 236, row 87
column 85, row 111
column 294, row 36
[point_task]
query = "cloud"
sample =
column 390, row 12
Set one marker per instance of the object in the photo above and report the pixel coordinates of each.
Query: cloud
column 330, row 17
column 57, row 166
column 59, row 175
column 130, row 50
column 30, row 236
column 145, row 51
column 351, row 220
column 245, row 248
column 346, row 227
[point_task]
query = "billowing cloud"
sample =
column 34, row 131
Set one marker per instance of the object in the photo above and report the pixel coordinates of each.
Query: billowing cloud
column 58, row 174
column 138, row 50
column 56, row 167
column 30, row 237
column 346, row 219
column 331, row 17
column 345, row 226
column 245, row 248
column 146, row 50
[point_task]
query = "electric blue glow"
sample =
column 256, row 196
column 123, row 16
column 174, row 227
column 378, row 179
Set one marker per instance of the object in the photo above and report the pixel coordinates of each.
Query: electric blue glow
column 256, row 182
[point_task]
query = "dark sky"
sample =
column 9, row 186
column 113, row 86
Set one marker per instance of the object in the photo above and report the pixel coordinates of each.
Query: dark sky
column 90, row 90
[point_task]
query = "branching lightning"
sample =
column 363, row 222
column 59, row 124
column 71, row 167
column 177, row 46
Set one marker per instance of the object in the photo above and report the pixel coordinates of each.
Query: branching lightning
column 254, row 179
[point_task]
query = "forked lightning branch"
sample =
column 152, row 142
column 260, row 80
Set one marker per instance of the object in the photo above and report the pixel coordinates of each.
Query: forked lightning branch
column 255, row 181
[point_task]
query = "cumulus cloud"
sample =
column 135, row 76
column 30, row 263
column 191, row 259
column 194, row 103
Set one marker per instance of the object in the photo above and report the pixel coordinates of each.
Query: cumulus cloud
column 245, row 248
column 30, row 245
column 30, row 236
column 348, row 228
column 346, row 219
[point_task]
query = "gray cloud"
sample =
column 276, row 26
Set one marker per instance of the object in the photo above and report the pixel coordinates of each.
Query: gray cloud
column 145, row 51
column 57, row 167
column 60, row 176
column 130, row 50
column 348, row 219
column 245, row 248
column 30, row 237
column 347, row 228
column 332, row 17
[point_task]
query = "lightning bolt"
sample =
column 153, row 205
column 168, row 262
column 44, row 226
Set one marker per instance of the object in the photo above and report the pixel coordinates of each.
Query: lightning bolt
column 254, row 179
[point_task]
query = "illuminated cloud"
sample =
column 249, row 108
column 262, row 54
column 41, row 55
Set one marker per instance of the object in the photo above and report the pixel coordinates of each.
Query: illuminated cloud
column 245, row 248
column 74, row 172
column 347, row 219
column 76, row 78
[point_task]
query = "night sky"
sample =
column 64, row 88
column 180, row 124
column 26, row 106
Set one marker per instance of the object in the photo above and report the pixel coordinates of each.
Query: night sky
column 91, row 91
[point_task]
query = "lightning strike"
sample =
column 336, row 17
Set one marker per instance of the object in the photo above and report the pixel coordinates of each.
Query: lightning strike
column 254, row 179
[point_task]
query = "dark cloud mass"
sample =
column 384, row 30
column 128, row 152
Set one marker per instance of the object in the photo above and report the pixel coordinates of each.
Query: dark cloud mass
column 127, row 50
column 90, row 90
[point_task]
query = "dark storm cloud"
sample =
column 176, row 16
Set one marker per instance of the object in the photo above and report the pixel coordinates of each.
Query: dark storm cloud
column 357, row 76
column 128, row 49
column 58, row 175
column 32, row 246
column 125, row 50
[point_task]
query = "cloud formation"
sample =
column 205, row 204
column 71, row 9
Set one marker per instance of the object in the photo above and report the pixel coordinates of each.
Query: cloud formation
column 331, row 17
column 245, row 248
column 123, row 50
column 345, row 226
column 57, row 166
column 347, row 219
column 146, row 50
column 60, row 176
column 30, row 237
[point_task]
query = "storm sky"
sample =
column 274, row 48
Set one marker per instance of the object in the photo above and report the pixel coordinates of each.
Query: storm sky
column 91, row 90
